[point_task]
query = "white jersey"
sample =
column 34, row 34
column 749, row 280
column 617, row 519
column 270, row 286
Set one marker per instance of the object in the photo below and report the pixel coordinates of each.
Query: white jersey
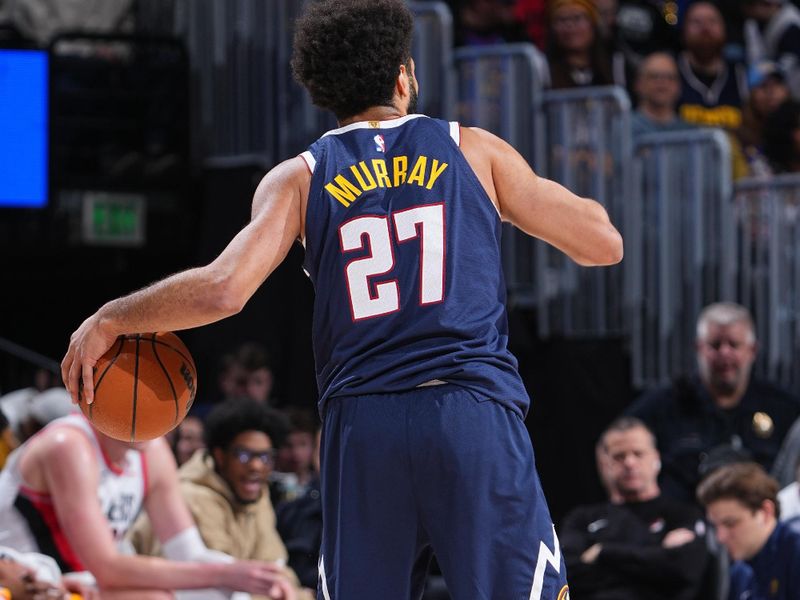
column 28, row 521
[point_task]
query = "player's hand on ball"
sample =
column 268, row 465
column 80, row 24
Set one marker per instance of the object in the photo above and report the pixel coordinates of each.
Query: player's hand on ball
column 89, row 342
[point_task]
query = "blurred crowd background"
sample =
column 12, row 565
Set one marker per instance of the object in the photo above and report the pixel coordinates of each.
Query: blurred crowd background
column 682, row 118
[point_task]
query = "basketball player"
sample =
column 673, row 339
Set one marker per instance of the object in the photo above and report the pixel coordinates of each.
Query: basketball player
column 71, row 493
column 424, row 445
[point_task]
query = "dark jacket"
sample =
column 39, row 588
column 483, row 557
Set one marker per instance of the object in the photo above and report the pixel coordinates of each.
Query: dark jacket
column 632, row 564
column 773, row 573
column 689, row 427
column 300, row 527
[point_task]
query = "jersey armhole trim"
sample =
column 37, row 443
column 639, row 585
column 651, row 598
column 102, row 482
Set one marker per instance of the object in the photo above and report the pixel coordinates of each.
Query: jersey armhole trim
column 311, row 162
column 455, row 132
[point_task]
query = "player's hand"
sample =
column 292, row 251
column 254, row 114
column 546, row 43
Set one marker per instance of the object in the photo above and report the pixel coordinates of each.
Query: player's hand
column 263, row 578
column 678, row 537
column 89, row 342
column 22, row 583
column 86, row 592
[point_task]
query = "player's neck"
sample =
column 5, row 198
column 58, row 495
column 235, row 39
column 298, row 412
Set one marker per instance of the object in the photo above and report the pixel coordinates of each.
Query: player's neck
column 374, row 113
column 114, row 450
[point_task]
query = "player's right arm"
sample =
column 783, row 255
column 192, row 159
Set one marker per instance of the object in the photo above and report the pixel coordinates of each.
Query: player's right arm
column 69, row 466
column 577, row 226
column 205, row 294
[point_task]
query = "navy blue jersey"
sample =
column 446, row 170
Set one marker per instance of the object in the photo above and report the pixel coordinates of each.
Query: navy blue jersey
column 716, row 103
column 403, row 247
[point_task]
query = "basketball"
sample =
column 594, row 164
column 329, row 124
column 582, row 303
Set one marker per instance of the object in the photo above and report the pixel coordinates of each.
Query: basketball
column 143, row 387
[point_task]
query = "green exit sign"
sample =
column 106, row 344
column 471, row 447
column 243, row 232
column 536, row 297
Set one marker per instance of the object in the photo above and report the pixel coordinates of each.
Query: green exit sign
column 113, row 219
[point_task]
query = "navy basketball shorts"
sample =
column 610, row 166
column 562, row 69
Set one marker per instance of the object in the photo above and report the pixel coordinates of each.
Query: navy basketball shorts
column 435, row 470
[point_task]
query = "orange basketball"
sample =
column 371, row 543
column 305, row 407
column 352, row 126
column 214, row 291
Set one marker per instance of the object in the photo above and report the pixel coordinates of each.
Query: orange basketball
column 143, row 387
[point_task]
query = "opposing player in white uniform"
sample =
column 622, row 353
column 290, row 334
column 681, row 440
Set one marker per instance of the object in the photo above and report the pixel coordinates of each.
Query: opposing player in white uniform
column 71, row 493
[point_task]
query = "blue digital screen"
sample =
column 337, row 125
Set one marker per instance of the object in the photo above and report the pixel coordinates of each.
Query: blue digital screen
column 23, row 128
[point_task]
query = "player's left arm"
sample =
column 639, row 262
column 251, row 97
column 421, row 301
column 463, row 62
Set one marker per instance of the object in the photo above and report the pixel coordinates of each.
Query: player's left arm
column 205, row 294
column 577, row 226
column 168, row 513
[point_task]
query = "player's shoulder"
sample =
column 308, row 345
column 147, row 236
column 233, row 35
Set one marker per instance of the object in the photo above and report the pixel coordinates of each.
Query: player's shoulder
column 476, row 135
column 158, row 455
column 477, row 142
column 288, row 181
column 61, row 439
column 61, row 449
column 292, row 169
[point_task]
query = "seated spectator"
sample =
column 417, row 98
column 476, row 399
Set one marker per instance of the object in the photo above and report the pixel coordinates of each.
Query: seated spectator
column 721, row 411
column 741, row 502
column 782, row 138
column 639, row 544
column 300, row 527
column 575, row 51
column 768, row 91
column 657, row 90
column 294, row 469
column 713, row 90
column 230, row 378
column 224, row 486
column 72, row 493
column 257, row 373
column 188, row 438
column 772, row 32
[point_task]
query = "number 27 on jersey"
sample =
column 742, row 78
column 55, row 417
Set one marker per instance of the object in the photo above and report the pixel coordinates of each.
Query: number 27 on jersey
column 426, row 224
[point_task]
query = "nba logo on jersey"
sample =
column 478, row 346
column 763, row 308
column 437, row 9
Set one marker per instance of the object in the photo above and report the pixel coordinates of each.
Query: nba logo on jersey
column 380, row 143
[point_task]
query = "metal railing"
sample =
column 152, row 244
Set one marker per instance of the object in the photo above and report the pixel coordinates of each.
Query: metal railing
column 588, row 138
column 246, row 104
column 767, row 213
column 679, row 238
column 432, row 49
column 499, row 88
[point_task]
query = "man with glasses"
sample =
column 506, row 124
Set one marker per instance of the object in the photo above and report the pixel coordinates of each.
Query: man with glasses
column 72, row 493
column 225, row 484
column 658, row 87
column 720, row 414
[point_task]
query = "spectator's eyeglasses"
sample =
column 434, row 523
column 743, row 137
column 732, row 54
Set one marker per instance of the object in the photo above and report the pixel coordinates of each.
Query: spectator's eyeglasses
column 244, row 456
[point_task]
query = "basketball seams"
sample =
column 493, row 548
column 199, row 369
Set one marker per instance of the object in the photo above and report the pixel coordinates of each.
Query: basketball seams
column 110, row 364
column 166, row 374
column 178, row 351
column 162, row 371
column 135, row 389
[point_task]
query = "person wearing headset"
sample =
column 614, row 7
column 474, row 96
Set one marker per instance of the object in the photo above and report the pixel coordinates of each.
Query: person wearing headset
column 639, row 544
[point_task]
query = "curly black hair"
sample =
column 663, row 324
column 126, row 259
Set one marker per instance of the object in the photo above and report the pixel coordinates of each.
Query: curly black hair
column 232, row 417
column 347, row 53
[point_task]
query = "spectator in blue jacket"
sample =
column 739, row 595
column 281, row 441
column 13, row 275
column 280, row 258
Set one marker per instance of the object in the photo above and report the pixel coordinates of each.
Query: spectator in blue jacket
column 741, row 503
